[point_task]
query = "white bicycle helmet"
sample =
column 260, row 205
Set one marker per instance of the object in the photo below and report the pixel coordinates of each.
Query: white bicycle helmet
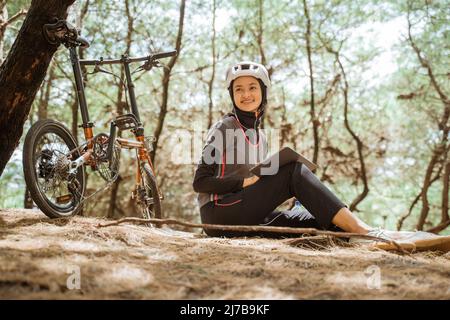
column 248, row 68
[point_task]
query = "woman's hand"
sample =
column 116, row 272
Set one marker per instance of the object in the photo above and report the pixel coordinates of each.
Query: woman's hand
column 249, row 181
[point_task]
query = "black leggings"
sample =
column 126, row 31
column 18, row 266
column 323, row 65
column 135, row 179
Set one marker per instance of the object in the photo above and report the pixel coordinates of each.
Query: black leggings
column 255, row 204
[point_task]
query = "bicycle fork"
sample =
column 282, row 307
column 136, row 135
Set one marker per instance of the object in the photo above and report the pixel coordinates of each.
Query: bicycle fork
column 141, row 144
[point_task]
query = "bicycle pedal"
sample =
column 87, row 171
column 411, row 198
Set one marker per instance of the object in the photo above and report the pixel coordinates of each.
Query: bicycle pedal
column 64, row 199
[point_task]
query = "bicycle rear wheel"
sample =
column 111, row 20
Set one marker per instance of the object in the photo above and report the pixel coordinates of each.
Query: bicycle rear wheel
column 46, row 163
column 149, row 199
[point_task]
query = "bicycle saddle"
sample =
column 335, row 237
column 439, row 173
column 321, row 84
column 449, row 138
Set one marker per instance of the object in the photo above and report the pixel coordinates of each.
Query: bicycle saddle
column 61, row 31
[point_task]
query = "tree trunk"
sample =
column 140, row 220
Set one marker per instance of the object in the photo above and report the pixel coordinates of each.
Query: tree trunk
column 23, row 71
column 314, row 121
column 440, row 149
column 121, row 105
column 445, row 219
column 74, row 108
column 3, row 19
column 416, row 200
column 165, row 83
column 113, row 197
column 43, row 105
column 259, row 40
column 359, row 144
column 445, row 193
column 28, row 202
column 213, row 71
column 426, row 185
column 130, row 25
column 42, row 114
column 119, row 110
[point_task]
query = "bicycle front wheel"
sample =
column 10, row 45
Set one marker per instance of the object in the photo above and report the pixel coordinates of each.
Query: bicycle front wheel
column 150, row 201
column 48, row 150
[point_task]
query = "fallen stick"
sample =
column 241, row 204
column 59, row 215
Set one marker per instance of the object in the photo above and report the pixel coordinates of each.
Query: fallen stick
column 311, row 231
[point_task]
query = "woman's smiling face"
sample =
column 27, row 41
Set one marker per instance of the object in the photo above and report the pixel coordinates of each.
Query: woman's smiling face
column 247, row 93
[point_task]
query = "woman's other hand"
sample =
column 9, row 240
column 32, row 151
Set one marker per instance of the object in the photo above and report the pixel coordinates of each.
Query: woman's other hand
column 250, row 181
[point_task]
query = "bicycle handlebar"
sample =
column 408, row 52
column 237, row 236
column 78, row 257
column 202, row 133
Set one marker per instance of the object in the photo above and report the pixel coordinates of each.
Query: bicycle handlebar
column 61, row 31
column 152, row 57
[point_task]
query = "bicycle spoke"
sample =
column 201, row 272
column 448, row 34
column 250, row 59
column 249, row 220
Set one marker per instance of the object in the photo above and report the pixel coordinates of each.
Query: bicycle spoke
column 54, row 184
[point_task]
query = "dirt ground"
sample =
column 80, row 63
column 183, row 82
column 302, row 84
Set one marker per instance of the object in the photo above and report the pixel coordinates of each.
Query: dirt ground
column 74, row 259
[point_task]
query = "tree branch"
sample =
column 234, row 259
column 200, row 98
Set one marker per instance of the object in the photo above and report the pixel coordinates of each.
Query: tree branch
column 287, row 230
column 14, row 18
column 165, row 82
column 314, row 121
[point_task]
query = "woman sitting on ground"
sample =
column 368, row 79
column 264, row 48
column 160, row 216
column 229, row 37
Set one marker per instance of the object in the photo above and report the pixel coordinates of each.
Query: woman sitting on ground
column 230, row 195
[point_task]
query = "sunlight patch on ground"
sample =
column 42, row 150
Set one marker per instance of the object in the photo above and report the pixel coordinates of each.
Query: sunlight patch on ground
column 82, row 246
column 38, row 259
column 23, row 244
column 126, row 277
column 348, row 279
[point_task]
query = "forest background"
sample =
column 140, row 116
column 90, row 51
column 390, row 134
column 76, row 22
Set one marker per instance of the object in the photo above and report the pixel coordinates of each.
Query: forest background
column 359, row 87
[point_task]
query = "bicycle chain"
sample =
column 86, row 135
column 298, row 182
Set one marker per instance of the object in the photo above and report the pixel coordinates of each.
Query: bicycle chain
column 106, row 186
column 81, row 204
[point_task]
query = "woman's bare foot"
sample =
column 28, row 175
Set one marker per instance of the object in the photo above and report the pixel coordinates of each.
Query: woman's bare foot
column 348, row 222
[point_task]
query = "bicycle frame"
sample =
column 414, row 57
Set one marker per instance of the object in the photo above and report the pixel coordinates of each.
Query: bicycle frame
column 87, row 125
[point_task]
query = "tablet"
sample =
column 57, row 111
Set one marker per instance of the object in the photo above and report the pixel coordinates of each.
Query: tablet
column 286, row 155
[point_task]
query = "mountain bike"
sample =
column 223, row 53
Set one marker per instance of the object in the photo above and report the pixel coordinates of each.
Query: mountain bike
column 55, row 165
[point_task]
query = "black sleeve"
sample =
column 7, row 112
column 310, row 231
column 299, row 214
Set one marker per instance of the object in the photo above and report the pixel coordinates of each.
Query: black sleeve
column 205, row 182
